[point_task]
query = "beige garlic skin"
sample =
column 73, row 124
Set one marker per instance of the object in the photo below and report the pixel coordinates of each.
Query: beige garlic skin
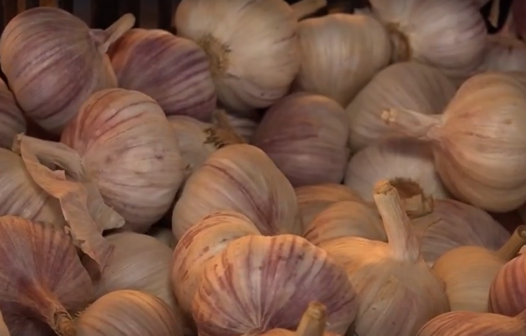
column 394, row 159
column 12, row 121
column 244, row 179
column 345, row 219
column 170, row 69
column 340, row 54
column 312, row 200
column 406, row 85
column 128, row 313
column 507, row 292
column 3, row 328
column 255, row 57
column 503, row 53
column 239, row 291
column 128, row 146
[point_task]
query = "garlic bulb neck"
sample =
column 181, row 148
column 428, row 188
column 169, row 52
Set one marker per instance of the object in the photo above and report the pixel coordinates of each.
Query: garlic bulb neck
column 415, row 202
column 517, row 240
column 402, row 242
column 217, row 53
column 414, row 124
column 64, row 325
column 115, row 31
column 305, row 8
column 223, row 133
column 400, row 44
column 313, row 321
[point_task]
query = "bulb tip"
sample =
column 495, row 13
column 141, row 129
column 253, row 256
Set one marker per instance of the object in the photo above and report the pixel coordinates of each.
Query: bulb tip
column 383, row 187
column 316, row 310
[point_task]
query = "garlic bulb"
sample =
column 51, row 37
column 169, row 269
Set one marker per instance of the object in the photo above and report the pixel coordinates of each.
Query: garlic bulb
column 345, row 219
column 306, row 137
column 468, row 272
column 478, row 141
column 340, row 54
column 397, row 160
column 63, row 66
column 397, row 292
column 255, row 57
column 453, row 224
column 170, row 69
column 507, row 292
column 128, row 146
column 422, row 30
column 313, row 199
column 243, row 179
column 239, row 291
column 406, row 85
column 164, row 235
column 480, row 3
column 42, row 279
column 12, row 121
column 127, row 313
column 474, row 324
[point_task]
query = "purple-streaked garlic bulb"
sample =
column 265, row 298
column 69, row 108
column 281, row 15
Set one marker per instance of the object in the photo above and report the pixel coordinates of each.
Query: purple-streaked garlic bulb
column 306, row 137
column 244, row 127
column 52, row 69
column 507, row 295
column 170, row 69
column 12, row 121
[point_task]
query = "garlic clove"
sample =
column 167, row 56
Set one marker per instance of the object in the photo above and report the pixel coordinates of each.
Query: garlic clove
column 507, row 295
column 128, row 313
column 41, row 277
column 345, row 219
column 12, row 120
column 248, row 287
column 170, row 69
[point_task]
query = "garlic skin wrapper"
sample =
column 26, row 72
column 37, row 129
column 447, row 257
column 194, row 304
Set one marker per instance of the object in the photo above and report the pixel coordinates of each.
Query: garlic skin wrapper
column 244, row 127
column 397, row 292
column 170, row 69
column 503, row 53
column 306, row 137
column 421, row 31
column 128, row 146
column 474, row 324
column 239, row 291
column 478, row 142
column 12, row 121
column 395, row 159
column 468, row 272
column 453, row 224
column 255, row 57
column 128, row 313
column 507, row 295
column 406, row 85
column 240, row 178
column 73, row 62
column 41, row 277
column 340, row 54
column 345, row 219
column 312, row 200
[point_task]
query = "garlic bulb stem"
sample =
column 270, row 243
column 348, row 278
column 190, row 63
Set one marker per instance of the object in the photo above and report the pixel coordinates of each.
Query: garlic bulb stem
column 313, row 320
column 400, row 42
column 415, row 202
column 517, row 240
column 413, row 124
column 402, row 241
column 223, row 134
column 64, row 325
column 305, row 8
column 116, row 30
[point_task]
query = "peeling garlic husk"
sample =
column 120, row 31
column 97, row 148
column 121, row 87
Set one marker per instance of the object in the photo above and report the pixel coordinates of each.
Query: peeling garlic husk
column 507, row 292
column 127, row 313
column 254, row 58
column 12, row 121
column 340, row 54
column 388, row 276
column 395, row 159
column 42, row 279
column 313, row 199
column 306, row 137
column 474, row 324
column 345, row 219
column 468, row 272
column 406, row 85
column 170, row 69
column 241, row 178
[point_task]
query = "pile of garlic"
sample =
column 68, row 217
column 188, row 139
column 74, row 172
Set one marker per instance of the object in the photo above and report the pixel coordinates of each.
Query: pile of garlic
column 270, row 170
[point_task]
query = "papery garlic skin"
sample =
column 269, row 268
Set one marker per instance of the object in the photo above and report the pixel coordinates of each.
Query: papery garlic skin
column 406, row 85
column 306, row 137
column 507, row 295
column 394, row 159
column 128, row 313
column 170, row 69
column 241, row 178
column 12, row 121
column 245, row 127
column 340, row 54
column 128, row 146
column 239, row 291
column 504, row 53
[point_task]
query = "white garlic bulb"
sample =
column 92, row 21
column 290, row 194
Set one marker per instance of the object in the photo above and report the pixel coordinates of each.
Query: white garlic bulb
column 340, row 54
column 406, row 85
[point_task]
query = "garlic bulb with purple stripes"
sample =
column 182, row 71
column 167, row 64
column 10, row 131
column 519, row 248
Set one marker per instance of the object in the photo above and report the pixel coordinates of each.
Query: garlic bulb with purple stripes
column 507, row 295
column 12, row 121
column 170, row 69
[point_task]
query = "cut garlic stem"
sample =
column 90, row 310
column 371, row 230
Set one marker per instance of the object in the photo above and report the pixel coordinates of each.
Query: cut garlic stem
column 313, row 320
column 116, row 30
column 64, row 325
column 414, row 200
column 305, row 8
column 403, row 243
column 413, row 124
column 512, row 247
